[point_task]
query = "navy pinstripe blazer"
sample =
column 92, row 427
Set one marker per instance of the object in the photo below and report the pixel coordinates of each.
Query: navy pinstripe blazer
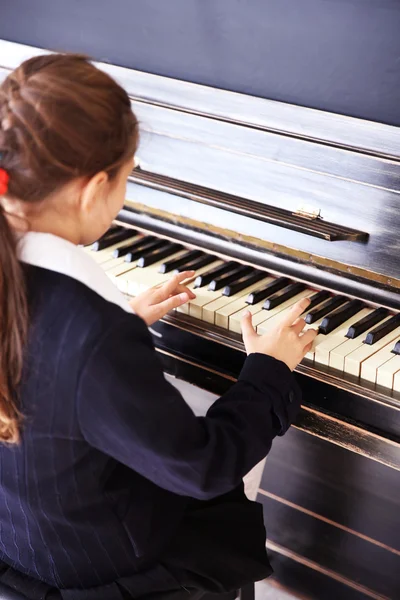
column 110, row 451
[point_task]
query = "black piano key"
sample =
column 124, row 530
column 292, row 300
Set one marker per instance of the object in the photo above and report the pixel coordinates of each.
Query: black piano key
column 222, row 280
column 113, row 237
column 149, row 258
column 206, row 278
column 136, row 253
column 367, row 322
column 396, row 349
column 316, row 299
column 244, row 282
column 280, row 297
column 142, row 242
column 180, row 263
column 198, row 263
column 324, row 309
column 109, row 233
column 340, row 315
column 383, row 329
column 267, row 290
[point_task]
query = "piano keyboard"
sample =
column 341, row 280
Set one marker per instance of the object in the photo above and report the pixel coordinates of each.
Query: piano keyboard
column 353, row 337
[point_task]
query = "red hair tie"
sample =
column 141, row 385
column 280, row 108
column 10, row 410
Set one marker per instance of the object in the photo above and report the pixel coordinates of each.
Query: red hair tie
column 4, row 179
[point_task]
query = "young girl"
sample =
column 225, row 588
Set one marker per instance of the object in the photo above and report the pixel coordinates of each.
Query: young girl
column 110, row 487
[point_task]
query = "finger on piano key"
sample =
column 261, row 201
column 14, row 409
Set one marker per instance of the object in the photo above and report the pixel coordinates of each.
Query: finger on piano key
column 149, row 258
column 244, row 282
column 223, row 315
column 315, row 300
column 382, row 330
column 327, row 343
column 211, row 311
column 235, row 319
column 265, row 319
column 138, row 244
column 259, row 314
column 197, row 264
column 200, row 300
column 353, row 362
column 317, row 340
column 367, row 323
column 267, row 290
column 283, row 295
column 102, row 256
column 180, row 262
column 337, row 355
column 218, row 283
column 369, row 368
column 208, row 276
column 325, row 308
column 387, row 372
column 113, row 237
column 140, row 280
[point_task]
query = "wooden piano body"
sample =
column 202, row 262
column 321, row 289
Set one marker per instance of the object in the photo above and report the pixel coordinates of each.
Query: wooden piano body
column 244, row 179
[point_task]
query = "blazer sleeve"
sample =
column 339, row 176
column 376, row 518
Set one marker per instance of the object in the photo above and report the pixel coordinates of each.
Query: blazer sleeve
column 128, row 410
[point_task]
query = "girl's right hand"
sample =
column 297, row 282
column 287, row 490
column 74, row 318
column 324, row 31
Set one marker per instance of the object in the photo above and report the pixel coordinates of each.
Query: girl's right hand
column 286, row 340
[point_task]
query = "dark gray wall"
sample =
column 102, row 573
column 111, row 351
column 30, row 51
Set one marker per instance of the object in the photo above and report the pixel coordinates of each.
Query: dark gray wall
column 341, row 56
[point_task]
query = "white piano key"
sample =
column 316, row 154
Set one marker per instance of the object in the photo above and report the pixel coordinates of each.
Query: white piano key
column 204, row 296
column 369, row 368
column 186, row 308
column 317, row 340
column 261, row 316
column 387, row 371
column 236, row 318
column 337, row 355
column 223, row 314
column 396, row 382
column 326, row 343
column 117, row 273
column 141, row 279
column 265, row 319
column 211, row 309
column 353, row 362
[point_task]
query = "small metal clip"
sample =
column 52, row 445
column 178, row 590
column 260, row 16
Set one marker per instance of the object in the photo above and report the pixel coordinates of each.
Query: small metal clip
column 308, row 212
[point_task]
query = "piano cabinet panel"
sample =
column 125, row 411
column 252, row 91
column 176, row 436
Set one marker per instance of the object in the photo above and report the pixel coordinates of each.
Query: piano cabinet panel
column 307, row 578
column 335, row 509
column 335, row 484
column 339, row 551
column 373, row 414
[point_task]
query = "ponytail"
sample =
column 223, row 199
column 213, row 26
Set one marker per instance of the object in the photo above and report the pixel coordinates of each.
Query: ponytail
column 13, row 331
column 61, row 119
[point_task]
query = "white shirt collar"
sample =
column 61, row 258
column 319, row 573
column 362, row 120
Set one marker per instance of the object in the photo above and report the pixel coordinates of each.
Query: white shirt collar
column 56, row 254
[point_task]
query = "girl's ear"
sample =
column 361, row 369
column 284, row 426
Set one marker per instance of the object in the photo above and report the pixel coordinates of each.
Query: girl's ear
column 93, row 191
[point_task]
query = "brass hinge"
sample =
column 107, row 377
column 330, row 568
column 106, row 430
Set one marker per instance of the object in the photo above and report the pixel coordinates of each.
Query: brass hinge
column 308, row 212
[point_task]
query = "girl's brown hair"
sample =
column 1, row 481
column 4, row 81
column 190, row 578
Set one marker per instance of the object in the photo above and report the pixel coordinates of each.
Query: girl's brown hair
column 61, row 118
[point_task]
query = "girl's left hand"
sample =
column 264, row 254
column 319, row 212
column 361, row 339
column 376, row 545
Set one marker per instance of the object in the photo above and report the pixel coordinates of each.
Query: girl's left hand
column 156, row 302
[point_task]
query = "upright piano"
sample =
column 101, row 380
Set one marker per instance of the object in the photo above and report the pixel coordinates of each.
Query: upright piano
column 271, row 202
